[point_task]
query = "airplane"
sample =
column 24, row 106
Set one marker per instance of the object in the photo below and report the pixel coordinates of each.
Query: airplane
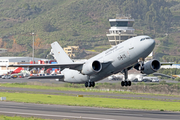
column 116, row 77
column 120, row 58
column 142, row 78
column 17, row 70
column 14, row 71
column 134, row 78
column 131, row 77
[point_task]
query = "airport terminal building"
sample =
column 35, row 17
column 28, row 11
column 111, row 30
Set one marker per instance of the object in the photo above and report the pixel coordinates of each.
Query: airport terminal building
column 6, row 61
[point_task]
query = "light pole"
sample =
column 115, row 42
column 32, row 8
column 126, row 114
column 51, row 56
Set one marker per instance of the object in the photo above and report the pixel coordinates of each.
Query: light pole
column 33, row 48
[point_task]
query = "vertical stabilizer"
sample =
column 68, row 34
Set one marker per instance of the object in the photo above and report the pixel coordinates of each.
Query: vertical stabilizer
column 17, row 70
column 59, row 54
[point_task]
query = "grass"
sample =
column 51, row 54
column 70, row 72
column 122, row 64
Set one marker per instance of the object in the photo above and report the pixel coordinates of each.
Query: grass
column 102, row 48
column 92, row 101
column 68, row 87
column 91, row 50
column 25, row 85
column 71, row 87
column 3, row 117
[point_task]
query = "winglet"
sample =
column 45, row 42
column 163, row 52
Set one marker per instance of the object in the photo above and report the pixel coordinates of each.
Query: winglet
column 59, row 54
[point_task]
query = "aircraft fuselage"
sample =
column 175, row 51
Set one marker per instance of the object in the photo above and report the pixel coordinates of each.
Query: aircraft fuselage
column 122, row 56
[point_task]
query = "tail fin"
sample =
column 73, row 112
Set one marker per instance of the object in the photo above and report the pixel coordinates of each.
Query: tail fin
column 59, row 54
column 17, row 70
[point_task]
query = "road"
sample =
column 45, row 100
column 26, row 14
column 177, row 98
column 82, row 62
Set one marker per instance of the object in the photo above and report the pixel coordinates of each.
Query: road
column 83, row 113
column 22, row 80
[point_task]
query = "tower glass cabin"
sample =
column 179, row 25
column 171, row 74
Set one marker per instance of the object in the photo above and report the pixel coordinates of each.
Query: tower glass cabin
column 121, row 29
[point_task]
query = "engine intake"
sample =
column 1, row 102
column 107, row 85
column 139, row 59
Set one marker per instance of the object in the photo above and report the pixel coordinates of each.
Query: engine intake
column 151, row 66
column 91, row 68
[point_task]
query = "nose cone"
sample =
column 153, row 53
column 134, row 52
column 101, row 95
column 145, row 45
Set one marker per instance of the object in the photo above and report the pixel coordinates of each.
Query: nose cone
column 148, row 46
column 145, row 47
column 151, row 43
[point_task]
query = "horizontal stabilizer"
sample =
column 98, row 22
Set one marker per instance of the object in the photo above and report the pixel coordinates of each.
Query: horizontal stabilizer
column 47, row 77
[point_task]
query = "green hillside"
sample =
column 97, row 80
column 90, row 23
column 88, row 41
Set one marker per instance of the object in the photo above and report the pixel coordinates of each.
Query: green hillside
column 82, row 22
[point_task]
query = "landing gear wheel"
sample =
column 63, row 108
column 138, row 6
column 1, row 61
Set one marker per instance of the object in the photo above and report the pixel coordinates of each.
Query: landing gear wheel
column 125, row 83
column 122, row 83
column 129, row 83
column 89, row 84
column 92, row 84
column 86, row 84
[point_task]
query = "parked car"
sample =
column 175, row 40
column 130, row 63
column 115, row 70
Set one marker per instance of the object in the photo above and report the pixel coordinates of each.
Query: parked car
column 6, row 77
column 14, row 76
column 21, row 76
column 155, row 79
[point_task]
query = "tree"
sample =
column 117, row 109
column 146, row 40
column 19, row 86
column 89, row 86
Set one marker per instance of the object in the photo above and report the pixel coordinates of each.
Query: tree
column 26, row 6
column 47, row 27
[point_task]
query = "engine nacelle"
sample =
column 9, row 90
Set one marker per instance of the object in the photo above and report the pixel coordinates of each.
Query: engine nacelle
column 91, row 68
column 151, row 66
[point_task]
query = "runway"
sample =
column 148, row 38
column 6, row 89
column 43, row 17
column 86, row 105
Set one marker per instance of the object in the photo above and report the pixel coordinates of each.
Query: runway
column 83, row 113
column 22, row 80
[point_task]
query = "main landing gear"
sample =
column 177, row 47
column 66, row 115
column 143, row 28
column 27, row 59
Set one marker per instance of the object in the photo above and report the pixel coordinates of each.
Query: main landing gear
column 125, row 82
column 89, row 84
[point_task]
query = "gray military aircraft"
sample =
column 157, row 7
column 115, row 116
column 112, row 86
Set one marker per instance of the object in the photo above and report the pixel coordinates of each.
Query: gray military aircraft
column 119, row 58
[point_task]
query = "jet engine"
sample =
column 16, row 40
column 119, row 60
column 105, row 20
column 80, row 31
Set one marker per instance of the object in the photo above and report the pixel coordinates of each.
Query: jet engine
column 149, row 67
column 91, row 68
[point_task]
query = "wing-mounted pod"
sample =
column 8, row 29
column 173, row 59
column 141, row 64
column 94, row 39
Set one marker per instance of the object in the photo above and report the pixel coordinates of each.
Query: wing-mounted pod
column 90, row 68
column 149, row 67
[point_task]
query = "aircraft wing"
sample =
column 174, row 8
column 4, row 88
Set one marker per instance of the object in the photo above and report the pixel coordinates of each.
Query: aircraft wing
column 74, row 66
column 163, row 75
column 167, row 63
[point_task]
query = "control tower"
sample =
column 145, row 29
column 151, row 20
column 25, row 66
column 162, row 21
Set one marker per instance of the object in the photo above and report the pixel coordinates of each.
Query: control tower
column 121, row 29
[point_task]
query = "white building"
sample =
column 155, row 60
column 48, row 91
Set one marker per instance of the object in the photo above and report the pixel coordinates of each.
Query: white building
column 171, row 66
column 3, row 50
column 6, row 61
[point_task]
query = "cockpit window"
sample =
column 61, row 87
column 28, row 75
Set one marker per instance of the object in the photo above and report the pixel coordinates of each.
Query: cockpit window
column 142, row 39
column 145, row 38
column 148, row 38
